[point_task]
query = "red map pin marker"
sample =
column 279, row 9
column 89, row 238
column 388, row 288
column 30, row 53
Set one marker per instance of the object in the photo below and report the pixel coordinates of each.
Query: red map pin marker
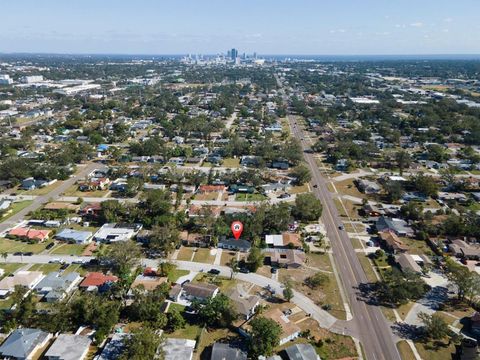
column 237, row 228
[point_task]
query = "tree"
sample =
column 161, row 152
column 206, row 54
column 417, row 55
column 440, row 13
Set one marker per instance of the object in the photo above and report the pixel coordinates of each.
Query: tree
column 142, row 344
column 307, row 207
column 288, row 291
column 400, row 287
column 466, row 282
column 434, row 326
column 425, row 184
column 302, row 174
column 403, row 160
column 4, row 256
column 164, row 238
column 264, row 337
column 175, row 321
column 233, row 265
column 218, row 312
column 394, row 190
column 123, row 256
column 317, row 280
column 255, row 258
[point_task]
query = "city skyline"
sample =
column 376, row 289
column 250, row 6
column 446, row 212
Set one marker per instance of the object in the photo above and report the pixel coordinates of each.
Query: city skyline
column 307, row 27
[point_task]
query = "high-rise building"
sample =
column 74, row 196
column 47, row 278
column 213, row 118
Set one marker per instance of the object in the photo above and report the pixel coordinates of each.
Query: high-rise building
column 233, row 54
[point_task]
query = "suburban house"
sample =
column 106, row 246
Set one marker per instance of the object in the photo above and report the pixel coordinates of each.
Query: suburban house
column 245, row 305
column 411, row 262
column 223, row 351
column 285, row 258
column 23, row 344
column 69, row 347
column 194, row 239
column 114, row 348
column 74, row 236
column 368, row 186
column 392, row 242
column 55, row 286
column 26, row 279
column 372, row 210
column 462, row 249
column 198, row 291
column 93, row 184
column 96, row 280
column 301, row 352
column 286, row 241
column 91, row 210
column 26, row 233
column 176, row 349
column 233, row 244
column 31, row 183
column 290, row 330
column 112, row 232
column 398, row 226
column 147, row 283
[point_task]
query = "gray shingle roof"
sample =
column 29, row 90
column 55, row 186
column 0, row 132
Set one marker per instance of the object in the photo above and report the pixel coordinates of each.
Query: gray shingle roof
column 69, row 347
column 22, row 342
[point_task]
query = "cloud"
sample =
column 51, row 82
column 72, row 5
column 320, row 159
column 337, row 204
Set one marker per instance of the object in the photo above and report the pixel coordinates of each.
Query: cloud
column 448, row 20
column 416, row 24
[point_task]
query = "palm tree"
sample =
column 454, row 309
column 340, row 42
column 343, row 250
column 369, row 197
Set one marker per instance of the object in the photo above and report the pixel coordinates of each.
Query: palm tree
column 4, row 256
column 233, row 265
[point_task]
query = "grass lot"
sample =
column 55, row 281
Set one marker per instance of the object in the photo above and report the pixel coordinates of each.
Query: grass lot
column 250, row 197
column 206, row 196
column 417, row 246
column 330, row 187
column 329, row 293
column 403, row 310
column 367, row 267
column 176, row 273
column 320, row 261
column 11, row 246
column 231, row 163
column 68, row 249
column 405, row 351
column 15, row 208
column 185, row 253
column 190, row 332
column 203, row 256
column 347, row 187
column 350, row 207
column 356, row 243
column 174, row 306
column 10, row 268
column 45, row 268
column 73, row 191
column 431, row 351
column 77, row 268
column 299, row 189
column 225, row 284
column 226, row 257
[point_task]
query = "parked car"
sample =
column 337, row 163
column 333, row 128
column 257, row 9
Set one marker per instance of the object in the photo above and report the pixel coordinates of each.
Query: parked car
column 214, row 271
column 274, row 270
column 244, row 270
column 29, row 253
column 49, row 246
column 284, row 196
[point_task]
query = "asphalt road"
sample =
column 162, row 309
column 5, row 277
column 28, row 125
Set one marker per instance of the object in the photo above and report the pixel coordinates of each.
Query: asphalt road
column 368, row 324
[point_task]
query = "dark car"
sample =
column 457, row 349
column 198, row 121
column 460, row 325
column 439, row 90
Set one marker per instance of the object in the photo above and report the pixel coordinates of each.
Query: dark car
column 274, row 270
column 340, row 227
column 49, row 246
column 18, row 253
column 214, row 271
column 315, row 186
column 284, row 196
column 28, row 253
column 244, row 270
column 64, row 266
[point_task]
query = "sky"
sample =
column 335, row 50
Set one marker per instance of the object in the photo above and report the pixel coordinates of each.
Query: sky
column 303, row 27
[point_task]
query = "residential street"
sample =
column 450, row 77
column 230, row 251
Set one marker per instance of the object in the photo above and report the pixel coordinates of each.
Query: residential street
column 368, row 324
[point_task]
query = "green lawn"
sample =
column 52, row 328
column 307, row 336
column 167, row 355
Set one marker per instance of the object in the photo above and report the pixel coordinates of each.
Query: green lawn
column 41, row 191
column 174, row 306
column 250, row 197
column 203, row 256
column 10, row 268
column 185, row 253
column 176, row 273
column 299, row 189
column 11, row 246
column 45, row 268
column 405, row 351
column 190, row 332
column 231, row 163
column 430, row 351
column 367, row 267
column 73, row 191
column 15, row 208
column 68, row 249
